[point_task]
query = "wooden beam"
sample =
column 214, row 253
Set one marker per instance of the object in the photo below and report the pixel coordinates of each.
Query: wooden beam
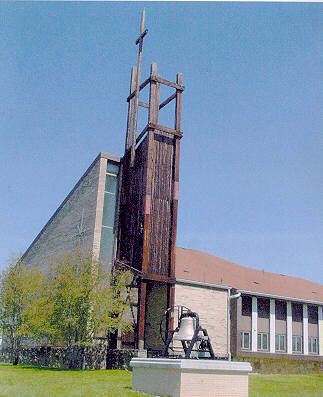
column 153, row 96
column 143, row 132
column 142, row 314
column 162, row 128
column 178, row 106
column 165, row 129
column 143, row 34
column 142, row 86
column 143, row 104
column 159, row 277
column 166, row 101
column 170, row 303
column 130, row 111
column 168, row 83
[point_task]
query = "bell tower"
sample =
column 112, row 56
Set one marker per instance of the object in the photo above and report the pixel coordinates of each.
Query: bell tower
column 149, row 199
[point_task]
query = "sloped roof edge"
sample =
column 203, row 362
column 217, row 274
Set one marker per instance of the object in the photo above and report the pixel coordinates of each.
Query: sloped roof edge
column 193, row 265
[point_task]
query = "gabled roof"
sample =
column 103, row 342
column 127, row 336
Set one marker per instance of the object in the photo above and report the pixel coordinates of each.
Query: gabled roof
column 197, row 266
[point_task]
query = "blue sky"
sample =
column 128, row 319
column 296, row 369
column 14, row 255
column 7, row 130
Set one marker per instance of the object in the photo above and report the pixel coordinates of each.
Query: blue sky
column 251, row 161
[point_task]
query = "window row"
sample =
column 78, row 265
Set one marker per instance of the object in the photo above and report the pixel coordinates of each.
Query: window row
column 263, row 309
column 280, row 342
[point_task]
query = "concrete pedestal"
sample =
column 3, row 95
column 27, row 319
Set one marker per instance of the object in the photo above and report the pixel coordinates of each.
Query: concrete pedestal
column 190, row 378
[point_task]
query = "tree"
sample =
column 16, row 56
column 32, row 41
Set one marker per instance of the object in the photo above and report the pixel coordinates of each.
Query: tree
column 86, row 300
column 22, row 305
column 75, row 301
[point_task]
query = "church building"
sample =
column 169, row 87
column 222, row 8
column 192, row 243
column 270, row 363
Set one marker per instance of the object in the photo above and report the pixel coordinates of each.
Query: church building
column 124, row 211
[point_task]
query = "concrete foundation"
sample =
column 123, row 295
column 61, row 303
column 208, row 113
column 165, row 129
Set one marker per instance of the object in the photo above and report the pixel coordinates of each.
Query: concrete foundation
column 190, row 378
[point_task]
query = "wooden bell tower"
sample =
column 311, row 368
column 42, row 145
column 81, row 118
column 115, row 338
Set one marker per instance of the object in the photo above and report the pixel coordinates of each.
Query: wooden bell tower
column 149, row 199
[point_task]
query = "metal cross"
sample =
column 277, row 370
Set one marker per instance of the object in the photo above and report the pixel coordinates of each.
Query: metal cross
column 142, row 33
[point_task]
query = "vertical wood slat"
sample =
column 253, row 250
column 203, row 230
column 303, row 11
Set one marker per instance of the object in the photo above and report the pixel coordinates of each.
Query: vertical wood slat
column 178, row 118
column 171, row 303
column 154, row 94
column 147, row 199
column 178, row 105
column 129, row 135
column 142, row 313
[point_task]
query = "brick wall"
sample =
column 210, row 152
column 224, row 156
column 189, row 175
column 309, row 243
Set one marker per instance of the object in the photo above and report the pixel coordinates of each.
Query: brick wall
column 61, row 233
column 211, row 305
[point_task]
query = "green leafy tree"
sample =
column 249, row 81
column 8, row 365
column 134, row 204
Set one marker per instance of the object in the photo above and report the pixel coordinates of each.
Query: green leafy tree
column 86, row 300
column 23, row 305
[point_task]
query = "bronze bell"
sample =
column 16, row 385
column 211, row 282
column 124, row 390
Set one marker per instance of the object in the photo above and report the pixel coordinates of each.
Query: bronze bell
column 186, row 329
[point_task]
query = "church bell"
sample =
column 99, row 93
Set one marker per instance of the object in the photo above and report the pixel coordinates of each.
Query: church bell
column 186, row 329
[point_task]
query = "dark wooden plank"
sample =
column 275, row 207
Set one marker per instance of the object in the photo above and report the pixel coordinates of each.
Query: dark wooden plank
column 169, row 131
column 171, row 303
column 163, row 128
column 142, row 313
column 142, row 86
column 143, row 132
column 142, row 35
column 147, row 216
column 167, row 101
column 159, row 277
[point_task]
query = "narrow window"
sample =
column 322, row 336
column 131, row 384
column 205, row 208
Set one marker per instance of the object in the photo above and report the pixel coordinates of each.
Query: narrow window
column 109, row 213
column 262, row 341
column 280, row 343
column 245, row 340
column 297, row 344
column 313, row 345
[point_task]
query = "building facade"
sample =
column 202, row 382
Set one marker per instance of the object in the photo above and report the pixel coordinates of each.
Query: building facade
column 124, row 211
column 274, row 315
column 268, row 314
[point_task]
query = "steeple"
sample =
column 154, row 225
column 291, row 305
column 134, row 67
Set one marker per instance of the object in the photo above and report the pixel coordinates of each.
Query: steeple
column 149, row 196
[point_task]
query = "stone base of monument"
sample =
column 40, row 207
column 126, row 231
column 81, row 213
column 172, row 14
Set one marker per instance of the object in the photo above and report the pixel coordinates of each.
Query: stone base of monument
column 190, row 378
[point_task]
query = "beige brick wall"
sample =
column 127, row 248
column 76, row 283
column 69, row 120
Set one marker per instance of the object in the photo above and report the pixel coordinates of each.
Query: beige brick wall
column 189, row 384
column 60, row 234
column 163, row 381
column 211, row 306
column 199, row 378
column 211, row 385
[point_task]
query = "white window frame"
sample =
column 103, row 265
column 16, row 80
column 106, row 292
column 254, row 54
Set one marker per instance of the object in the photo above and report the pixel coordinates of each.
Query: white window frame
column 297, row 337
column 311, row 340
column 242, row 334
column 261, row 348
column 280, row 336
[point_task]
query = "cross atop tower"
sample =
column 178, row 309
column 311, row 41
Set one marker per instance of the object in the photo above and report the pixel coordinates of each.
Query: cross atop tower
column 133, row 123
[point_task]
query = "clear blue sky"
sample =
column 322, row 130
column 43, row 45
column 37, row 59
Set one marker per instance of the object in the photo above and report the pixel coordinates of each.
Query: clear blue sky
column 251, row 164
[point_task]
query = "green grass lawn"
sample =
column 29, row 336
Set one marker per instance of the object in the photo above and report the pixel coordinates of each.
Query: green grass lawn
column 42, row 382
column 23, row 381
column 286, row 386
